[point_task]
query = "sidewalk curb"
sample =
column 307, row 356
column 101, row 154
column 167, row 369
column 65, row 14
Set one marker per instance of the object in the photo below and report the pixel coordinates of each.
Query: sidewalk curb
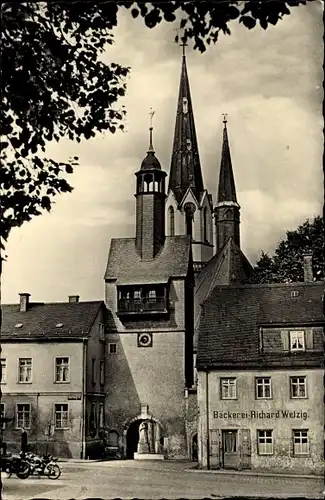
column 262, row 474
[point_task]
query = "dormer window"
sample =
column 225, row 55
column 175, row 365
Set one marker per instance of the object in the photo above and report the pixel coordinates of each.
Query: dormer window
column 297, row 340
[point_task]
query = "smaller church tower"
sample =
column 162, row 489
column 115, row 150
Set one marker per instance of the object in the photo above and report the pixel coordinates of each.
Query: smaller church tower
column 150, row 205
column 227, row 210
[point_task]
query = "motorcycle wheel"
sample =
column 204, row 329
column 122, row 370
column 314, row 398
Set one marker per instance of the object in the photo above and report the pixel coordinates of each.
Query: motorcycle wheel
column 23, row 470
column 54, row 471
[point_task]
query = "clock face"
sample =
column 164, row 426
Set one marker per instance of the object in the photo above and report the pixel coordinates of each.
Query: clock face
column 189, row 208
column 144, row 339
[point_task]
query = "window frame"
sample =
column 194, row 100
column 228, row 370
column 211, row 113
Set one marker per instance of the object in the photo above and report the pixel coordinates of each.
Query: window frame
column 101, row 372
column 265, row 443
column 3, row 414
column 55, row 370
column 304, row 377
column 302, row 453
column 3, row 379
column 101, row 415
column 55, row 412
column 257, row 385
column 101, row 331
column 109, row 348
column 31, row 371
column 30, row 416
column 93, row 371
column 296, row 333
column 223, row 379
column 171, row 220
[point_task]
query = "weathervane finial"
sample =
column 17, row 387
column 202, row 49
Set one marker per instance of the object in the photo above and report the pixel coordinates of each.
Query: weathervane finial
column 225, row 117
column 151, row 113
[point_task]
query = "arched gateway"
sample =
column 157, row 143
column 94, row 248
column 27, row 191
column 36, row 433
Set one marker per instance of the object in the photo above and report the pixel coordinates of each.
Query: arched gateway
column 144, row 438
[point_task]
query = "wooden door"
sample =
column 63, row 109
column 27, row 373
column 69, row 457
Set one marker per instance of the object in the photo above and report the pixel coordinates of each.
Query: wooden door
column 230, row 452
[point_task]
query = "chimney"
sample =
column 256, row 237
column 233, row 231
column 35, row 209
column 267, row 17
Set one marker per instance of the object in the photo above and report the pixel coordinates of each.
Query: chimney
column 74, row 298
column 308, row 267
column 24, row 301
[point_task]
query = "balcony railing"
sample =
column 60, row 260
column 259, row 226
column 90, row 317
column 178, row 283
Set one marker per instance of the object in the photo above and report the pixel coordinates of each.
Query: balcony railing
column 143, row 305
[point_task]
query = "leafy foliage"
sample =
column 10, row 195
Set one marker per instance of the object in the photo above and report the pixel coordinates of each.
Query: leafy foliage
column 286, row 265
column 54, row 84
column 203, row 20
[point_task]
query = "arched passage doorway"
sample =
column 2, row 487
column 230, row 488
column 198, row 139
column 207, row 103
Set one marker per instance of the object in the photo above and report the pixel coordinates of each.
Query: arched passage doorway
column 132, row 439
column 154, row 435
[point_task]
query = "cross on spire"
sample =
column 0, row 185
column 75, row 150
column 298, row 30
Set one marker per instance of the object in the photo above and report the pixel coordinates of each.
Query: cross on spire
column 183, row 45
column 224, row 117
column 151, row 113
column 182, row 38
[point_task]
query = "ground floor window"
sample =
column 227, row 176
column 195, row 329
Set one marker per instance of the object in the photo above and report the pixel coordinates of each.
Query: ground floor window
column 61, row 415
column 23, row 413
column 2, row 415
column 265, row 442
column 101, row 415
column 300, row 442
column 93, row 420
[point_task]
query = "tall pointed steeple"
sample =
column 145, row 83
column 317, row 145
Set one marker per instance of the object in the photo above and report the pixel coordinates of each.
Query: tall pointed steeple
column 226, row 187
column 227, row 210
column 185, row 170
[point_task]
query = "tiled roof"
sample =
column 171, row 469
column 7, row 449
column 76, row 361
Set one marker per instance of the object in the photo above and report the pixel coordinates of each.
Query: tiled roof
column 41, row 320
column 125, row 265
column 232, row 315
column 228, row 266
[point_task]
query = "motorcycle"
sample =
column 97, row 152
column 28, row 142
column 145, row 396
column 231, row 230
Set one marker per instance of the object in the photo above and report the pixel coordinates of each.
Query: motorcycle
column 15, row 464
column 43, row 465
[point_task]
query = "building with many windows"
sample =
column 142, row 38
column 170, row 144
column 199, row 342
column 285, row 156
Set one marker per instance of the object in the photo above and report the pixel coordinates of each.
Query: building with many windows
column 53, row 375
column 260, row 378
column 155, row 283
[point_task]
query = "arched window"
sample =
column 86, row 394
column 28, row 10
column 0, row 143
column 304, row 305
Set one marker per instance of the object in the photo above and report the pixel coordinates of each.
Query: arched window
column 189, row 224
column 152, row 295
column 205, row 232
column 171, row 221
column 149, row 184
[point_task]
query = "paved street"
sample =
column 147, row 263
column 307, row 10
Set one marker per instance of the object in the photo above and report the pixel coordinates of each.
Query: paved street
column 129, row 479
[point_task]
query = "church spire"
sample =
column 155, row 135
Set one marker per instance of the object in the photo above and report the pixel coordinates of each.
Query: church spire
column 227, row 210
column 185, row 170
column 226, row 188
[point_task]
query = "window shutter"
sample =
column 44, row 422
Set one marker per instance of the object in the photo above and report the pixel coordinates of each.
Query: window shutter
column 292, row 446
column 215, row 445
column 309, row 338
column 285, row 340
column 245, row 448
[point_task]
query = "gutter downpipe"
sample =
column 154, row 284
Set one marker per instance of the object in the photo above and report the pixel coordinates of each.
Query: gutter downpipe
column 207, row 416
column 84, row 378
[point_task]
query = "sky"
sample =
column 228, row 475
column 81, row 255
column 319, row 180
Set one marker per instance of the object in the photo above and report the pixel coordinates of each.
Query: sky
column 270, row 84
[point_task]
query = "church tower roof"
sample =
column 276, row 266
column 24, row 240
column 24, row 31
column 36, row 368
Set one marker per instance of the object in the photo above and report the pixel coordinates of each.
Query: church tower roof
column 226, row 187
column 185, row 170
column 150, row 161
